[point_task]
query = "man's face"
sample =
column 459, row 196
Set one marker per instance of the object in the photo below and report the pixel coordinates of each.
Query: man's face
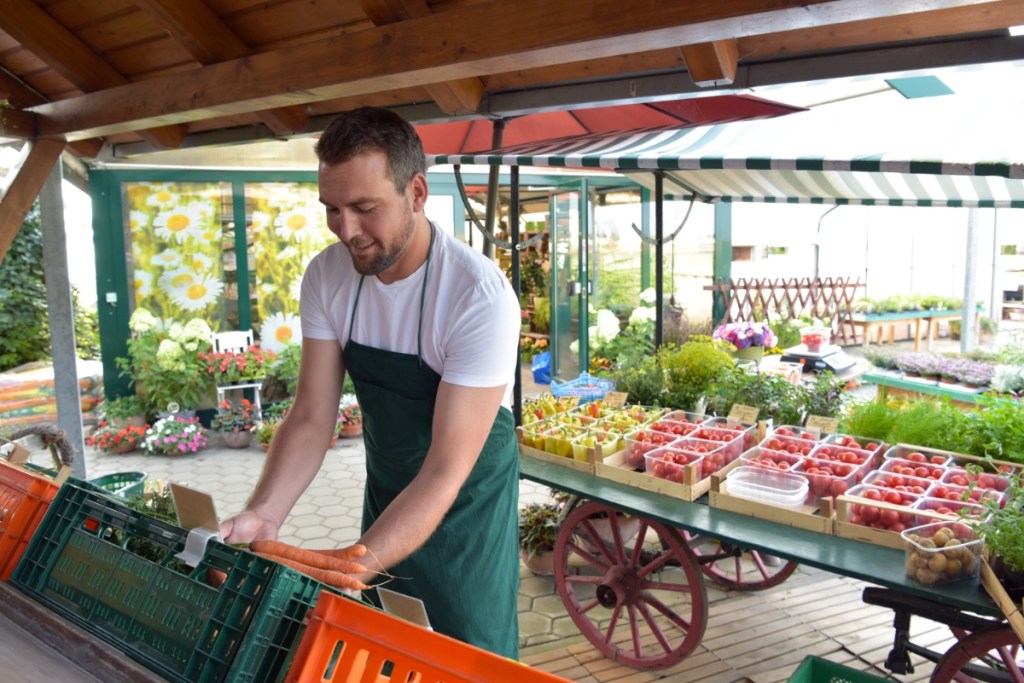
column 368, row 213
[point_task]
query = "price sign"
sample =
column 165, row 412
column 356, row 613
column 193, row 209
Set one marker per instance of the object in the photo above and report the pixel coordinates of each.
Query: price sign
column 615, row 399
column 827, row 425
column 744, row 414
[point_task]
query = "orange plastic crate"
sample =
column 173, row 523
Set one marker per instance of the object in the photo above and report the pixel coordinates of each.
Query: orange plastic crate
column 24, row 499
column 348, row 642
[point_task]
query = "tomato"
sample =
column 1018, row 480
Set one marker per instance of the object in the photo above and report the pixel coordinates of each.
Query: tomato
column 888, row 517
column 922, row 472
column 784, row 431
column 938, row 460
column 872, row 494
column 869, row 514
column 837, row 488
column 893, row 497
column 915, row 457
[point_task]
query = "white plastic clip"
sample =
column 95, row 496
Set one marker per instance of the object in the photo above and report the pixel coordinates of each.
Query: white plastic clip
column 195, row 545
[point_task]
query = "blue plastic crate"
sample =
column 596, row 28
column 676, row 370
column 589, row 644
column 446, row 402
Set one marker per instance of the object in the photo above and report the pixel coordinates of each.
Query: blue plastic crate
column 586, row 387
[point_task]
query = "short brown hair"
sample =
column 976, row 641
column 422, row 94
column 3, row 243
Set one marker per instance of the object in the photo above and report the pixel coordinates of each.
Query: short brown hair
column 374, row 129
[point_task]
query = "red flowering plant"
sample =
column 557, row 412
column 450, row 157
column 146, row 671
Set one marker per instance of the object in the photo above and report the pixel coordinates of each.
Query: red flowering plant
column 232, row 367
column 108, row 438
column 234, row 417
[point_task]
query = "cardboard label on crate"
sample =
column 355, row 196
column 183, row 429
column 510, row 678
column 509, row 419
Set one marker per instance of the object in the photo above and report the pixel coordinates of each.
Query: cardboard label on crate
column 195, row 508
column 15, row 453
column 744, row 414
column 404, row 607
column 826, row 425
column 615, row 399
column 62, row 474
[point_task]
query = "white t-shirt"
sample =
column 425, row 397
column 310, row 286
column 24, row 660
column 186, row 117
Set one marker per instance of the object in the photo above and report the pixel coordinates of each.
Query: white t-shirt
column 470, row 312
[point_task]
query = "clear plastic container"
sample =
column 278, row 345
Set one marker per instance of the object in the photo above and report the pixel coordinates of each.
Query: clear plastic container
column 670, row 463
column 986, row 480
column 955, row 509
column 876, row 513
column 861, row 442
column 899, row 482
column 795, row 432
column 735, row 440
column 686, row 416
column 942, row 552
column 857, row 457
column 675, row 427
column 788, row 444
column 715, row 453
column 581, row 445
column 769, row 459
column 909, row 468
column 815, row 338
column 767, row 486
column 973, row 494
column 916, row 455
column 558, row 440
column 827, row 479
column 641, row 442
column 749, row 431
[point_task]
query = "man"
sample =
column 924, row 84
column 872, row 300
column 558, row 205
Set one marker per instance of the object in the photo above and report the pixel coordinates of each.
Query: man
column 428, row 330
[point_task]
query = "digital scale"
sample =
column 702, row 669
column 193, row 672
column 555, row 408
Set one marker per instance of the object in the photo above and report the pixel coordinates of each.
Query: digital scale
column 830, row 357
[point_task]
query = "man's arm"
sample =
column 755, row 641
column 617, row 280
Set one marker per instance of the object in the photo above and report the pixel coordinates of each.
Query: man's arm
column 462, row 421
column 298, row 448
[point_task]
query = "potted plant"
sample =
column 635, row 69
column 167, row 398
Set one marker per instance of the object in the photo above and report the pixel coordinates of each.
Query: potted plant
column 165, row 363
column 691, row 371
column 350, row 417
column 175, row 435
column 264, row 431
column 235, row 423
column 749, row 339
column 231, row 367
column 1003, row 532
column 283, row 373
column 111, row 438
column 124, row 410
column 538, row 531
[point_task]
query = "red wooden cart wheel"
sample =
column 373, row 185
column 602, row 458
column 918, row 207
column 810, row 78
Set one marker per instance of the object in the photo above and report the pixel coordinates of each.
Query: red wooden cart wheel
column 738, row 568
column 992, row 654
column 640, row 600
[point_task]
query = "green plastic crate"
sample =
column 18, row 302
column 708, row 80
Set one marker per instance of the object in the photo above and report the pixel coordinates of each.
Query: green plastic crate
column 111, row 570
column 122, row 484
column 816, row 670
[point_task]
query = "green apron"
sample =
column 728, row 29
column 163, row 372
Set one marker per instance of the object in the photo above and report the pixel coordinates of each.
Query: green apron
column 467, row 573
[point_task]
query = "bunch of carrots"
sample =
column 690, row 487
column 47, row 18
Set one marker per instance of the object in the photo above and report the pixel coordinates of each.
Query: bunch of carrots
column 334, row 567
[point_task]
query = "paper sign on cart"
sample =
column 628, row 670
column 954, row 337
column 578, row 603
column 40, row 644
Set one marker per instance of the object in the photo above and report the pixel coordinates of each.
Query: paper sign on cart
column 615, row 399
column 826, row 425
column 404, row 607
column 743, row 414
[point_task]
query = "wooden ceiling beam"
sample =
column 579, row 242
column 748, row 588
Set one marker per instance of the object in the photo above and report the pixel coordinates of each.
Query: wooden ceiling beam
column 461, row 96
column 712, row 64
column 445, row 47
column 209, row 40
column 26, row 180
column 45, row 37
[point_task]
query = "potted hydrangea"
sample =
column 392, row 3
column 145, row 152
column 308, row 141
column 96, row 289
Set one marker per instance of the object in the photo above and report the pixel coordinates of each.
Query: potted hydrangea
column 749, row 339
column 175, row 435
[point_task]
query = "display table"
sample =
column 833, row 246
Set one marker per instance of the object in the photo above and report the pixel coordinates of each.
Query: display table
column 38, row 644
column 884, row 324
column 894, row 384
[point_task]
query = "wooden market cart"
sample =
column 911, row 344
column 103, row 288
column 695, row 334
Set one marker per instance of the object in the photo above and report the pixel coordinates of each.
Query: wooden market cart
column 636, row 613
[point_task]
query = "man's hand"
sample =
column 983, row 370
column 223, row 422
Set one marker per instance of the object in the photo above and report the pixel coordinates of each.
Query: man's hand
column 248, row 526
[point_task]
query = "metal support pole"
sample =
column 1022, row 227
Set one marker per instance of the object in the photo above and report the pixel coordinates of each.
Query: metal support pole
column 513, row 217
column 61, row 316
column 497, row 132
column 970, row 312
column 659, row 259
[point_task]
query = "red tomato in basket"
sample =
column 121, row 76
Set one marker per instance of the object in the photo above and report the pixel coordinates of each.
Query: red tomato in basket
column 915, row 457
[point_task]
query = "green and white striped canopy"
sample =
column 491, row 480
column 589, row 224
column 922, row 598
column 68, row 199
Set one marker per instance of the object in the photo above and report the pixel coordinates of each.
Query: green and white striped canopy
column 926, row 152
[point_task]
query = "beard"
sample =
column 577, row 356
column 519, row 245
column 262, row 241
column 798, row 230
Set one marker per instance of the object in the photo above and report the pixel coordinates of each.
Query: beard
column 375, row 264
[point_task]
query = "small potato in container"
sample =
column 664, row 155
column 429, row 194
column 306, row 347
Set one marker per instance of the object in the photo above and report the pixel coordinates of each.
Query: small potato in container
column 942, row 552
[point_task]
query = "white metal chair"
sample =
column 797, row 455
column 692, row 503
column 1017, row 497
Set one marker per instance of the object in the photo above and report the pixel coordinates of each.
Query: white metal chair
column 237, row 341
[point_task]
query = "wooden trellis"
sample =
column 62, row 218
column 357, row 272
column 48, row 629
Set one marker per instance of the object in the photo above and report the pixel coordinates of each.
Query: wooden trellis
column 829, row 299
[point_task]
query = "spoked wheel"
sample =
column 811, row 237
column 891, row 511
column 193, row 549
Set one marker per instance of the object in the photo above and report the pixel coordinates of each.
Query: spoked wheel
column 638, row 597
column 738, row 568
column 992, row 655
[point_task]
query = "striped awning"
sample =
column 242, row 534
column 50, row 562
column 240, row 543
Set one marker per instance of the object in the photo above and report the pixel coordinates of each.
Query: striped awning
column 926, row 152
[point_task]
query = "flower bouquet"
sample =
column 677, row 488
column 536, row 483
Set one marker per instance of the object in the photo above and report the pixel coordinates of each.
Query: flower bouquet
column 174, row 435
column 111, row 439
column 744, row 335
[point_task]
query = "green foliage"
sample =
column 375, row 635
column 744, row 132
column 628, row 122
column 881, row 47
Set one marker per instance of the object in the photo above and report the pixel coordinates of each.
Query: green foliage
column 692, row 370
column 642, row 381
column 870, row 419
column 617, row 286
column 541, row 319
column 880, row 356
column 123, row 407
column 1003, row 528
column 787, row 331
column 775, row 397
column 996, row 429
column 24, row 332
column 538, row 526
column 630, row 345
column 87, row 328
column 933, row 424
column 825, row 396
column 283, row 374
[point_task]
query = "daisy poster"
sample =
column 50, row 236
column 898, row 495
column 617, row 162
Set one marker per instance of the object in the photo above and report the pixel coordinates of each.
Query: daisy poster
column 176, row 254
column 288, row 228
